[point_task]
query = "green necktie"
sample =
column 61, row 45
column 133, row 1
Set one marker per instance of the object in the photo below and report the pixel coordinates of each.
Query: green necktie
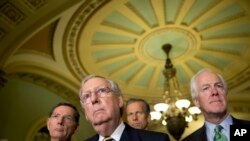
column 107, row 139
column 219, row 136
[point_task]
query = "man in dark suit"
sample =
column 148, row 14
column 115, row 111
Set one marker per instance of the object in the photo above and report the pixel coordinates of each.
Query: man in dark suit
column 138, row 113
column 63, row 121
column 209, row 93
column 103, row 104
column 132, row 134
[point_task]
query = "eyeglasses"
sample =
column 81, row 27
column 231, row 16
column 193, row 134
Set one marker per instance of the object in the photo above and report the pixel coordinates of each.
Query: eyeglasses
column 207, row 89
column 66, row 118
column 100, row 92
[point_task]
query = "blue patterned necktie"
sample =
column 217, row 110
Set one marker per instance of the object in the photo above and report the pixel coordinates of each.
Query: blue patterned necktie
column 108, row 139
column 219, row 136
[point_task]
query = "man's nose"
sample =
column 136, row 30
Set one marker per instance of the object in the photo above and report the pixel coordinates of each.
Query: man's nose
column 135, row 117
column 60, row 120
column 214, row 90
column 93, row 97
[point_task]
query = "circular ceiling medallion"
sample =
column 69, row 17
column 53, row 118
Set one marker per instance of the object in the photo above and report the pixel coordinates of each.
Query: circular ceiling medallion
column 184, row 44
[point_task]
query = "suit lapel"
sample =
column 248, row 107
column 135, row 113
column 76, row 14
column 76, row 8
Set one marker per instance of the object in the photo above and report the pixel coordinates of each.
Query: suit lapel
column 200, row 134
column 203, row 133
column 94, row 138
column 129, row 134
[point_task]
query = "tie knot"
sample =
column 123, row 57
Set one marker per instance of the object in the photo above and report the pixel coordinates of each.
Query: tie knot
column 108, row 139
column 218, row 128
column 219, row 136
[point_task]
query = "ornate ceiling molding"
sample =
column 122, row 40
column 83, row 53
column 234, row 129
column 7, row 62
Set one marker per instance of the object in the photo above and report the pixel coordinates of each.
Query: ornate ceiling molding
column 124, row 42
column 49, row 84
column 73, row 29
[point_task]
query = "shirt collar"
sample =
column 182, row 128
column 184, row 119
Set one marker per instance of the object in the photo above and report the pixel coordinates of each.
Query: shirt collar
column 225, row 124
column 116, row 135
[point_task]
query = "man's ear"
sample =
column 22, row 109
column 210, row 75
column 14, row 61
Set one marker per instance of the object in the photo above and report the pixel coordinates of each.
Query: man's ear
column 121, row 101
column 84, row 113
column 48, row 126
column 196, row 102
column 77, row 128
column 86, row 117
column 149, row 117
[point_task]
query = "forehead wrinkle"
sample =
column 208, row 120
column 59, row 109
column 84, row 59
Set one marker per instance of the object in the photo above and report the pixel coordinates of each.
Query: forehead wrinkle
column 95, row 80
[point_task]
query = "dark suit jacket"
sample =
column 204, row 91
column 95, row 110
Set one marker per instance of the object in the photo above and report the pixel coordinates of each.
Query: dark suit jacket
column 200, row 134
column 132, row 134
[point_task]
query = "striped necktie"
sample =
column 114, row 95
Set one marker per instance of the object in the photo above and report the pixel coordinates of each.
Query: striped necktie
column 107, row 139
column 219, row 136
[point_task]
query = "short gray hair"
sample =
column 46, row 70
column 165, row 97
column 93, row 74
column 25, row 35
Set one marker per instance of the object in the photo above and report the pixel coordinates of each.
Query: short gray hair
column 114, row 86
column 193, row 85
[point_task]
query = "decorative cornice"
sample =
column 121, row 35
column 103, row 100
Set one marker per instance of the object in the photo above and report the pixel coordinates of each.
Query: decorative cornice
column 2, row 33
column 239, row 108
column 35, row 4
column 243, row 76
column 3, row 78
column 12, row 14
column 74, row 29
column 49, row 84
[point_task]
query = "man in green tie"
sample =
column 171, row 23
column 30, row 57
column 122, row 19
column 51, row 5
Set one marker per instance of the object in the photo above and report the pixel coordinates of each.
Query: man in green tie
column 219, row 136
column 209, row 93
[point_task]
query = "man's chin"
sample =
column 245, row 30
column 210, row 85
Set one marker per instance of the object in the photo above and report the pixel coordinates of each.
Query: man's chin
column 100, row 121
column 137, row 126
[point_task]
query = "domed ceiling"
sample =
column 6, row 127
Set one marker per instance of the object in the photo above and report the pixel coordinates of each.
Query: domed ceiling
column 123, row 40
column 55, row 44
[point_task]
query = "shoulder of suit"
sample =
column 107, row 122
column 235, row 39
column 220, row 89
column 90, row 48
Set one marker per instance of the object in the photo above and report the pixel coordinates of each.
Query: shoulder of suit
column 240, row 121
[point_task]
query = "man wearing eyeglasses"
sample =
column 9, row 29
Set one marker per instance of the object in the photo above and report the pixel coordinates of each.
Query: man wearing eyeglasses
column 209, row 93
column 103, row 103
column 63, row 121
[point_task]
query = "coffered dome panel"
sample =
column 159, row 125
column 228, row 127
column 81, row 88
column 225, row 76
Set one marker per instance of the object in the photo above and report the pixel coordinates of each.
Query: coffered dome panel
column 123, row 40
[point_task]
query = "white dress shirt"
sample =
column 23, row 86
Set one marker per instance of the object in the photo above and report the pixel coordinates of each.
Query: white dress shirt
column 116, row 135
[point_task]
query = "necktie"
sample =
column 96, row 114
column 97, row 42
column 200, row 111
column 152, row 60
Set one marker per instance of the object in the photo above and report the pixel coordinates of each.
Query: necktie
column 107, row 139
column 219, row 136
